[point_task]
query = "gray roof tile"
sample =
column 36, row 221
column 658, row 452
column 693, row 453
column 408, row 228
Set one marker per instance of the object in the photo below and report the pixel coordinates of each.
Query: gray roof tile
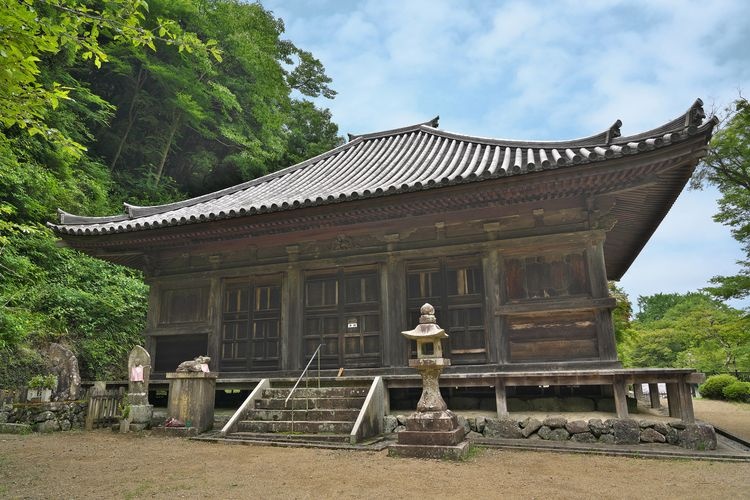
column 384, row 163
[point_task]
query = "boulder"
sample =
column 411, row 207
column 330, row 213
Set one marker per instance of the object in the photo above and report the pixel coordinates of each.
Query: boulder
column 401, row 419
column 44, row 416
column 502, row 428
column 645, row 424
column 626, row 431
column 544, row 432
column 577, row 426
column 672, row 436
column 697, row 437
column 530, row 426
column 463, row 422
column 390, row 423
column 661, row 428
column 48, row 426
column 597, row 427
column 399, row 428
column 555, row 422
column 607, row 438
column 583, row 437
column 649, row 435
column 559, row 435
column 473, row 436
column 480, row 423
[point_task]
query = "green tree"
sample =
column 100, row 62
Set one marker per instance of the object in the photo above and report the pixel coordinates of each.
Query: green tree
column 33, row 30
column 727, row 166
column 690, row 330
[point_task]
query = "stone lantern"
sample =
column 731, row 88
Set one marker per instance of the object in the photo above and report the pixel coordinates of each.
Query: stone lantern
column 433, row 430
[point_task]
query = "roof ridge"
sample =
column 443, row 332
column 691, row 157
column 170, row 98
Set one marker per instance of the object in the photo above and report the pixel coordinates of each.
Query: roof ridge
column 690, row 120
column 134, row 211
column 400, row 130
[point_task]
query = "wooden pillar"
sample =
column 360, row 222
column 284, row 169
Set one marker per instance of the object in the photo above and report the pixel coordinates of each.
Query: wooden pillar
column 673, row 400
column 599, row 289
column 500, row 399
column 214, row 319
column 393, row 300
column 653, row 393
column 621, row 400
column 638, row 391
column 492, row 338
column 686, row 403
column 291, row 313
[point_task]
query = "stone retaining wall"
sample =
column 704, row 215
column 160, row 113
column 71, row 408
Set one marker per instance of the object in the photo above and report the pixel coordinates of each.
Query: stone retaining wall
column 610, row 431
column 46, row 417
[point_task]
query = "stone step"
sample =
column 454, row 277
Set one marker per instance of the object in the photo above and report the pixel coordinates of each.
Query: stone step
column 303, row 426
column 281, row 437
column 340, row 414
column 316, row 392
column 311, row 403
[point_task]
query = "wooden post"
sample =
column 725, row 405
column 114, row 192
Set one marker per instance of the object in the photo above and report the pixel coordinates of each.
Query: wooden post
column 291, row 314
column 673, row 400
column 598, row 283
column 653, row 393
column 621, row 400
column 492, row 337
column 214, row 317
column 686, row 403
column 500, row 399
column 638, row 391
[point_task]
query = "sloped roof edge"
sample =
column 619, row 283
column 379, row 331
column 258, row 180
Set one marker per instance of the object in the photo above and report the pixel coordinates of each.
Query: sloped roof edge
column 415, row 157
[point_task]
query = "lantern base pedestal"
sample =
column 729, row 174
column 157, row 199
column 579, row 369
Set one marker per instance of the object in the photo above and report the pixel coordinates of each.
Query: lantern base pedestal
column 432, row 434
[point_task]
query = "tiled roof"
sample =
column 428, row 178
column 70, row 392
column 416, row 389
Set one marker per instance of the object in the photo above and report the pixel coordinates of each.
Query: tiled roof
column 412, row 158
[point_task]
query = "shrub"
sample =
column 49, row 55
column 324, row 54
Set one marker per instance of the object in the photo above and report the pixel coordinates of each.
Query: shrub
column 737, row 391
column 43, row 382
column 713, row 388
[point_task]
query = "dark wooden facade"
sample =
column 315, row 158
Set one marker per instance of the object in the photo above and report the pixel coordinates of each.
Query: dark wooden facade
column 516, row 265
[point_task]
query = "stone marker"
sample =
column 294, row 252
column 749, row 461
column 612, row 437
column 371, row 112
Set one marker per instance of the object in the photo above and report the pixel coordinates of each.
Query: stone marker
column 64, row 365
column 139, row 373
column 433, row 431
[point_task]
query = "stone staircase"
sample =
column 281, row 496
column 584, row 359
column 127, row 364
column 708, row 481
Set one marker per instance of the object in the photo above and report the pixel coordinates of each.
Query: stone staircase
column 313, row 415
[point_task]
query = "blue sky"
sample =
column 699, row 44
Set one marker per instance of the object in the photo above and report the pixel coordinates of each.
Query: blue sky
column 542, row 71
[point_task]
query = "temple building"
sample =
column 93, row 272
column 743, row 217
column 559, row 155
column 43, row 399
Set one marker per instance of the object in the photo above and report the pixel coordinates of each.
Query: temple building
column 513, row 242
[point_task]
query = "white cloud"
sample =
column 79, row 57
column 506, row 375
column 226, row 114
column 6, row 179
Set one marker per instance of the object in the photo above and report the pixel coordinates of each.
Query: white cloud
column 541, row 70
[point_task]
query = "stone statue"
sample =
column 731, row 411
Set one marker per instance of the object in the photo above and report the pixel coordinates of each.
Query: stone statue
column 199, row 364
column 64, row 365
column 139, row 372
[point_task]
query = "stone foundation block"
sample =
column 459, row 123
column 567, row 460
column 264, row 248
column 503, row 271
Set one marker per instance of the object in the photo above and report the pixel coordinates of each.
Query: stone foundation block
column 458, row 452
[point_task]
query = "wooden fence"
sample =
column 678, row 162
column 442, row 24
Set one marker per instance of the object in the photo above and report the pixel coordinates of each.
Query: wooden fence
column 104, row 407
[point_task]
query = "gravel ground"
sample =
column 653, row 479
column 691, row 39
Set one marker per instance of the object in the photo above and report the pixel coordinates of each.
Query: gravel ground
column 103, row 464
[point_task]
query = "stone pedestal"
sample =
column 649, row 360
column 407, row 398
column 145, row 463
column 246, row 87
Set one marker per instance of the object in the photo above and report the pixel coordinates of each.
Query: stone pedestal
column 191, row 398
column 433, row 430
column 140, row 416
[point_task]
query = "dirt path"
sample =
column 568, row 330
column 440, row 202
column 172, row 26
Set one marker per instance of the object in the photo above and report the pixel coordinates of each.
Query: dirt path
column 102, row 464
column 733, row 417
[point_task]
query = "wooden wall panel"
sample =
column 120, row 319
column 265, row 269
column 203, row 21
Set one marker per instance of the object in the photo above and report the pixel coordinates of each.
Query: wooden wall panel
column 562, row 336
column 183, row 305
